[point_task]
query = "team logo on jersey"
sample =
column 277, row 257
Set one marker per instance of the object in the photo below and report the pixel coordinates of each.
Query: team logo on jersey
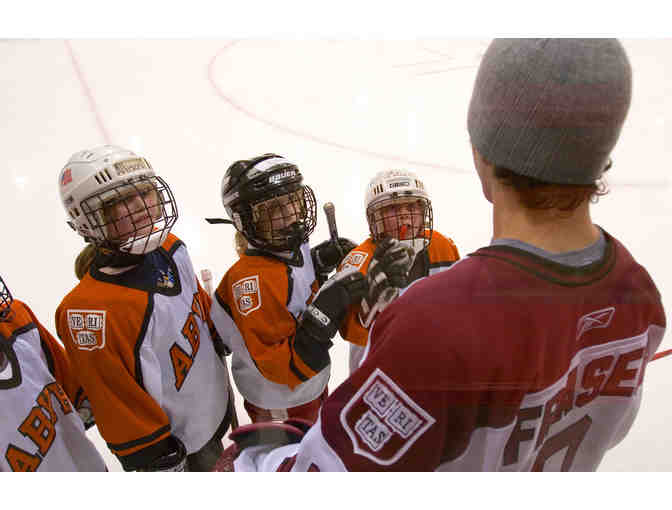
column 382, row 421
column 166, row 279
column 87, row 328
column 354, row 259
column 593, row 320
column 246, row 294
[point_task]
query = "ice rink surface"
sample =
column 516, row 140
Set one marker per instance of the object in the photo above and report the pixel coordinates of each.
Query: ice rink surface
column 342, row 110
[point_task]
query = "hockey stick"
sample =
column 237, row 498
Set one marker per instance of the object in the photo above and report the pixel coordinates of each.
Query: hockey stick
column 330, row 212
column 206, row 276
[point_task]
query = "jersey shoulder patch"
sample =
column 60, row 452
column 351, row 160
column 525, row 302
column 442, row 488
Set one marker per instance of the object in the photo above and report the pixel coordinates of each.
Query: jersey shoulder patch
column 246, row 294
column 355, row 258
column 87, row 328
column 382, row 421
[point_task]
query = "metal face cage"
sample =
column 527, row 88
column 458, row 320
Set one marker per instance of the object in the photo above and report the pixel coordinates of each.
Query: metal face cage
column 401, row 217
column 282, row 222
column 129, row 214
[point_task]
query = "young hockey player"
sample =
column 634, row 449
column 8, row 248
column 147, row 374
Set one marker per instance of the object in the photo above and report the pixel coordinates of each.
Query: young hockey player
column 529, row 354
column 280, row 360
column 137, row 325
column 397, row 207
column 43, row 405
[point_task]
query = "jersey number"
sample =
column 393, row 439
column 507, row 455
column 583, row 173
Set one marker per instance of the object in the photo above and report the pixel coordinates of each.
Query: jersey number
column 182, row 361
column 569, row 438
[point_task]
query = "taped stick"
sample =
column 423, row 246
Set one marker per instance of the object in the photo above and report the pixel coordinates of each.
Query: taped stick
column 330, row 212
column 206, row 278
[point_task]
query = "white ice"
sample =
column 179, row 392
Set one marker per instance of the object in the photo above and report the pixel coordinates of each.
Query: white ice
column 342, row 110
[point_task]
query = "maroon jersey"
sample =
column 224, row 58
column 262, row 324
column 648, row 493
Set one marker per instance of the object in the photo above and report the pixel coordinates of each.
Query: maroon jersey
column 507, row 361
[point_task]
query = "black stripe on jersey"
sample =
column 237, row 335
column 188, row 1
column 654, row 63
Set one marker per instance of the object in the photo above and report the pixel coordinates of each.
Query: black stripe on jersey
column 295, row 370
column 545, row 269
column 7, row 346
column 141, row 337
column 140, row 441
column 290, row 285
column 176, row 245
column 146, row 456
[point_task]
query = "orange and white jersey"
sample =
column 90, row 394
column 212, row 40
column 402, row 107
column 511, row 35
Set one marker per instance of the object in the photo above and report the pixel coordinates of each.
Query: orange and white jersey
column 40, row 428
column 257, row 306
column 142, row 347
column 439, row 256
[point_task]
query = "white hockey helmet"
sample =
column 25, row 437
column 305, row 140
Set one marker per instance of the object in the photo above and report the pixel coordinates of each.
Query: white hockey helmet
column 396, row 187
column 95, row 180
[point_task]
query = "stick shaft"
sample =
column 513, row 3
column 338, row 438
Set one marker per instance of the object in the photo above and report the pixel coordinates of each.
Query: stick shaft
column 330, row 212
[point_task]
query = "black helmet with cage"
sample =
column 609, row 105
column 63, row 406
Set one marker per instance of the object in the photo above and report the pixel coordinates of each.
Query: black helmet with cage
column 267, row 202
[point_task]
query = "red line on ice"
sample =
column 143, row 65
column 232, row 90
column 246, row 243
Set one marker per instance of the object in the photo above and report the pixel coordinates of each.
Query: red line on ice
column 281, row 127
column 88, row 94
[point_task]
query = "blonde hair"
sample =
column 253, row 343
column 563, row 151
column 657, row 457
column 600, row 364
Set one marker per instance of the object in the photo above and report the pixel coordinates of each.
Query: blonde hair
column 84, row 260
column 240, row 242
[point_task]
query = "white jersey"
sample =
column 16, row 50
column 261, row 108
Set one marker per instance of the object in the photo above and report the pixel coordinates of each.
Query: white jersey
column 256, row 309
column 40, row 428
column 142, row 344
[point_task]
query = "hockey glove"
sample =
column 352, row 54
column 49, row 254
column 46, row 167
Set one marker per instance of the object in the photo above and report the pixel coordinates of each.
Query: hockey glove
column 174, row 459
column 323, row 316
column 328, row 255
column 387, row 274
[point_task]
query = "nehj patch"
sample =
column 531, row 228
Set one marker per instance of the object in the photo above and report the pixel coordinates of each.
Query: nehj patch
column 87, row 328
column 382, row 421
column 246, row 294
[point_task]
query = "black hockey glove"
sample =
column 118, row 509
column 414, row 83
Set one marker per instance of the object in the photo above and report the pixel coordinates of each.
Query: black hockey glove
column 387, row 274
column 174, row 457
column 328, row 254
column 323, row 317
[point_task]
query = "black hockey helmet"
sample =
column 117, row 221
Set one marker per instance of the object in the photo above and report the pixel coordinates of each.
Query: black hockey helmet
column 267, row 202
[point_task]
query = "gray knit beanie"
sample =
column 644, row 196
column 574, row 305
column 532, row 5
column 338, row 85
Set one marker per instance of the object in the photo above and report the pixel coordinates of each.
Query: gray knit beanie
column 551, row 109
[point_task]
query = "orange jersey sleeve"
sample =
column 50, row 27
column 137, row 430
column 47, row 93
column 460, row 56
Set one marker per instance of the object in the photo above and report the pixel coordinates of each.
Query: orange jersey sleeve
column 351, row 328
column 442, row 252
column 256, row 291
column 100, row 325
